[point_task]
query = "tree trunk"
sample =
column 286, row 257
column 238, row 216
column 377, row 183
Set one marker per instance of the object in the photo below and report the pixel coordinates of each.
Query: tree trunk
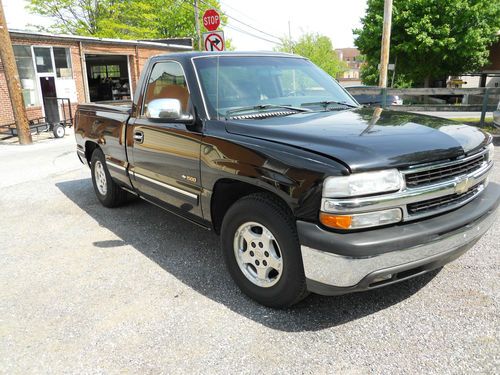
column 427, row 82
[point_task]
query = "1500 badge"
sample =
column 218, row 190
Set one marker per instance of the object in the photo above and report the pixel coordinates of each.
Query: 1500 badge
column 189, row 178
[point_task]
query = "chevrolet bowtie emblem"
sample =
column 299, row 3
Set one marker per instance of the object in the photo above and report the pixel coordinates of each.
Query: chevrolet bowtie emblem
column 462, row 186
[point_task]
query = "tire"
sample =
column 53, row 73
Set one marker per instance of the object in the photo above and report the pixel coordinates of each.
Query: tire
column 58, row 131
column 262, row 251
column 109, row 193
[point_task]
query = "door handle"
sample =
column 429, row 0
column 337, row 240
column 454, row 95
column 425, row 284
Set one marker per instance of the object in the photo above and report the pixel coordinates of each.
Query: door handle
column 139, row 137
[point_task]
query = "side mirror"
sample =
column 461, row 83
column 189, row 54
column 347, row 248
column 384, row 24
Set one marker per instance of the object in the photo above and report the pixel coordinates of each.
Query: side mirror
column 166, row 110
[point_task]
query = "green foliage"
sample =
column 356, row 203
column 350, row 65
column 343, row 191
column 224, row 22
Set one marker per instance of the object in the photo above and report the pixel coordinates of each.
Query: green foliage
column 318, row 49
column 124, row 19
column 430, row 39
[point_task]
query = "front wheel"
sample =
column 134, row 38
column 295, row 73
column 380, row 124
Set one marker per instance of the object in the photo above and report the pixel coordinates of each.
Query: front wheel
column 262, row 251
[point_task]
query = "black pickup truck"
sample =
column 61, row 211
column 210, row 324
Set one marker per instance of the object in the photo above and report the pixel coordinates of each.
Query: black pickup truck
column 309, row 191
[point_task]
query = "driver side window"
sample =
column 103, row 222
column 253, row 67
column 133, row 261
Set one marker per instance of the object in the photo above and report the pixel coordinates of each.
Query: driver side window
column 167, row 81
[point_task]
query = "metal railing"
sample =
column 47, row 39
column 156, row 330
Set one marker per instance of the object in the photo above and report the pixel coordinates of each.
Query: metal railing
column 481, row 99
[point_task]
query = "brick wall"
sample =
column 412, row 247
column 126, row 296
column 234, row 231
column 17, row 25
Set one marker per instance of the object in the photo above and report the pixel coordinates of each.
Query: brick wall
column 6, row 115
column 137, row 58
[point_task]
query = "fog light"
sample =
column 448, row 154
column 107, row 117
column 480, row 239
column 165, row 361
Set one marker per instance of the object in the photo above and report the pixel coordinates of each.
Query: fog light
column 378, row 279
column 358, row 221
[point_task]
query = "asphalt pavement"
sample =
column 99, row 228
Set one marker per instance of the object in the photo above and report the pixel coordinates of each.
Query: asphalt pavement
column 86, row 289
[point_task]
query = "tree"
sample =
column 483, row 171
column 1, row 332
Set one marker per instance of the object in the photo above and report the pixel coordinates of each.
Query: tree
column 317, row 48
column 431, row 39
column 125, row 19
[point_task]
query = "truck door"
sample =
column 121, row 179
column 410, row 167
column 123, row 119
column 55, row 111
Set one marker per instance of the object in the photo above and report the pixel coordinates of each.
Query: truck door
column 165, row 157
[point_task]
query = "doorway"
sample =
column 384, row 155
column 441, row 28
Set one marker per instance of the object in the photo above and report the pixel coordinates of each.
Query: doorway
column 49, row 98
column 108, row 77
column 54, row 77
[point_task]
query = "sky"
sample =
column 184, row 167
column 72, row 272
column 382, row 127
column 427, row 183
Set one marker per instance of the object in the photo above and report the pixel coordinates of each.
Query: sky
column 332, row 18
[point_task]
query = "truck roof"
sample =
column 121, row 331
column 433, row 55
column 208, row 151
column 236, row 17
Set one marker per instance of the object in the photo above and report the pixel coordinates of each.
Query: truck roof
column 190, row 55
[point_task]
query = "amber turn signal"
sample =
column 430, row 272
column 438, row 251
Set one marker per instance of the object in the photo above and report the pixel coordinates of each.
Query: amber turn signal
column 335, row 221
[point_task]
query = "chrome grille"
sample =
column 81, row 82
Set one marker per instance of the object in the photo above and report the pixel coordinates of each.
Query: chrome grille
column 437, row 174
column 441, row 203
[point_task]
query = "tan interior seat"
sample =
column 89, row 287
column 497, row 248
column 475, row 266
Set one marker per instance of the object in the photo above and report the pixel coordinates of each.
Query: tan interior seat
column 169, row 92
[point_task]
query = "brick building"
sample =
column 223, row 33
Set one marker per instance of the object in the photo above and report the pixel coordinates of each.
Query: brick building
column 352, row 58
column 80, row 68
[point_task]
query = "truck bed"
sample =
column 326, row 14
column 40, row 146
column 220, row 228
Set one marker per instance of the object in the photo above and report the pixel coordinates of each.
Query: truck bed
column 121, row 106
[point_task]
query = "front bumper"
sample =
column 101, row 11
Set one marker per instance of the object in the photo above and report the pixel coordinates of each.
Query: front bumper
column 337, row 263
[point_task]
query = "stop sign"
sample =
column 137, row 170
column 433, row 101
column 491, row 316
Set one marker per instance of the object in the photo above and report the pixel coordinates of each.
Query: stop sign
column 211, row 20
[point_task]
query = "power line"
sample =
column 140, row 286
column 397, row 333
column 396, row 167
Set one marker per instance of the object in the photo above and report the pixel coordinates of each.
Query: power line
column 186, row 4
column 239, row 13
column 253, row 35
column 243, row 23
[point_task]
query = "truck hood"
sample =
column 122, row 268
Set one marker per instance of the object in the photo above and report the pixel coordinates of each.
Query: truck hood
column 366, row 138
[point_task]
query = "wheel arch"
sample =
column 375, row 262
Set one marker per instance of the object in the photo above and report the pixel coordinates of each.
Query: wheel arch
column 227, row 191
column 90, row 147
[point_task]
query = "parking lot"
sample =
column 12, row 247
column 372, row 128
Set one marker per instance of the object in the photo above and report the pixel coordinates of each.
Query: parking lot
column 85, row 289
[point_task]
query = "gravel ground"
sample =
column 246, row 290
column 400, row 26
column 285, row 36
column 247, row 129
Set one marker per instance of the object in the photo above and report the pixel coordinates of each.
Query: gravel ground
column 85, row 289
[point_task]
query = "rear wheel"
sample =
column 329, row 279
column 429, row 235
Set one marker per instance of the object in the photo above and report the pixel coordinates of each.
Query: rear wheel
column 109, row 193
column 262, row 251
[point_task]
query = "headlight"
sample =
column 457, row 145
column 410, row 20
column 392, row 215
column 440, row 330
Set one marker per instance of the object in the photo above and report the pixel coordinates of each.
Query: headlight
column 491, row 151
column 358, row 184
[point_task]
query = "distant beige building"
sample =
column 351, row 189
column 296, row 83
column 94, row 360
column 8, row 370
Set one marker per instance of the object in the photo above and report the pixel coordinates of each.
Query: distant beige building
column 352, row 57
column 488, row 76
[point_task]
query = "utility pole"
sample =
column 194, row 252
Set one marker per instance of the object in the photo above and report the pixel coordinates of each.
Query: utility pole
column 290, row 37
column 13, row 82
column 197, row 22
column 386, row 43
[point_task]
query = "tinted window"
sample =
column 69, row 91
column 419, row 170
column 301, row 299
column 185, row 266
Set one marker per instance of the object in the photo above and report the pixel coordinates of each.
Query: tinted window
column 231, row 82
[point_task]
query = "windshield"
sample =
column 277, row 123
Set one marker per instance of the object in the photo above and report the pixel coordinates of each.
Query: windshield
column 233, row 83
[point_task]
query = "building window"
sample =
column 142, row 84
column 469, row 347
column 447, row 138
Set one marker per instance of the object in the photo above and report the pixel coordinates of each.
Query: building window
column 24, row 62
column 43, row 60
column 106, row 71
column 62, row 60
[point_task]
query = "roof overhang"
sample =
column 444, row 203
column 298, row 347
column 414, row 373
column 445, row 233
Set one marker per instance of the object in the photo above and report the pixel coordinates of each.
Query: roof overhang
column 31, row 35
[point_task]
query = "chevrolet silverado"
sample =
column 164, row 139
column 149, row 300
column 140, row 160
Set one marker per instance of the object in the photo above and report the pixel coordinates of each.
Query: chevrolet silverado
column 309, row 191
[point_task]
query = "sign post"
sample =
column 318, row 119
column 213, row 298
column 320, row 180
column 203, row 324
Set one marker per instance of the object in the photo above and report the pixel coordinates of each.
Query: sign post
column 13, row 82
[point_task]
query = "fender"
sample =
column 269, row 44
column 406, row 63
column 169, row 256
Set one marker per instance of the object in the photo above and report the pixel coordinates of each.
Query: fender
column 295, row 175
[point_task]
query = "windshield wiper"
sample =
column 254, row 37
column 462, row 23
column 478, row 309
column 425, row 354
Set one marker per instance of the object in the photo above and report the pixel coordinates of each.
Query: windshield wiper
column 264, row 107
column 327, row 103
